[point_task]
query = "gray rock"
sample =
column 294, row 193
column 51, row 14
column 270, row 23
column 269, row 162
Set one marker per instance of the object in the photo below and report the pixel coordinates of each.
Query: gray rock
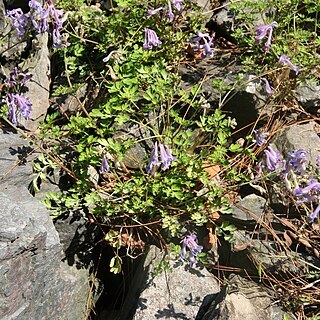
column 176, row 294
column 243, row 96
column 224, row 20
column 34, row 283
column 136, row 157
column 249, row 253
column 38, row 87
column 308, row 95
column 72, row 103
column 243, row 299
column 299, row 137
column 249, row 209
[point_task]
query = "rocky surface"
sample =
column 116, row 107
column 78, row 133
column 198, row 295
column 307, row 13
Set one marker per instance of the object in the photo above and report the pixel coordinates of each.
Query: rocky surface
column 251, row 208
column 193, row 293
column 299, row 136
column 38, row 87
column 242, row 299
column 175, row 294
column 308, row 95
column 34, row 283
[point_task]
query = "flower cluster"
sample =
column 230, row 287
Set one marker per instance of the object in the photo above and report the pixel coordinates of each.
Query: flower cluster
column 293, row 172
column 38, row 17
column 150, row 39
column 202, row 41
column 190, row 242
column 17, row 79
column 262, row 31
column 19, row 20
column 17, row 104
column 165, row 158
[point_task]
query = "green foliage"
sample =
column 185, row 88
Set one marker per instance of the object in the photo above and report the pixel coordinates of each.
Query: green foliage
column 295, row 35
column 226, row 229
column 138, row 101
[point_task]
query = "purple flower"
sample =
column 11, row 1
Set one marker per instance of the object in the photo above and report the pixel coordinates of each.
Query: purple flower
column 38, row 16
column 58, row 18
column 154, row 159
column 207, row 48
column 177, row 4
column 165, row 162
column 24, row 105
column 284, row 60
column 203, row 41
column 57, row 15
column 273, row 159
column 57, row 40
column 170, row 13
column 268, row 88
column 153, row 12
column 104, row 165
column 314, row 214
column 260, row 137
column 150, row 39
column 309, row 194
column 17, row 105
column 12, row 109
column 298, row 160
column 165, row 156
column 17, row 78
column 190, row 242
column 19, row 20
column 262, row 31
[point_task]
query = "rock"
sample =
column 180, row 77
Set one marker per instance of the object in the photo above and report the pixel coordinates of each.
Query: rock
column 250, row 254
column 206, row 8
column 224, row 21
column 249, row 209
column 34, row 283
column 72, row 103
column 308, row 95
column 301, row 136
column 243, row 102
column 243, row 299
column 38, row 87
column 175, row 294
column 138, row 155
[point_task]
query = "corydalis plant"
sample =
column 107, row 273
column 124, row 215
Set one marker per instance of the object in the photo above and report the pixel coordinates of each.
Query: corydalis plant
column 292, row 171
column 190, row 242
column 262, row 31
column 165, row 158
column 17, row 104
column 150, row 39
column 202, row 42
column 38, row 18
